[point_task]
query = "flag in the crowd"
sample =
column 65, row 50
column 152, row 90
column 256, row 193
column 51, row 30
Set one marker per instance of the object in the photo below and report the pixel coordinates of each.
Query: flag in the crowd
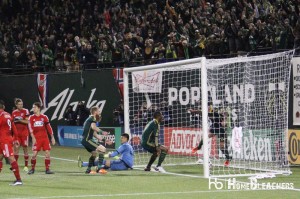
column 118, row 75
column 42, row 83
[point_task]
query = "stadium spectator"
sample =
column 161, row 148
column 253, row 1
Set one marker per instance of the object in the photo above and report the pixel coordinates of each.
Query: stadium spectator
column 119, row 115
column 296, row 33
column 82, row 113
column 70, row 116
column 110, row 32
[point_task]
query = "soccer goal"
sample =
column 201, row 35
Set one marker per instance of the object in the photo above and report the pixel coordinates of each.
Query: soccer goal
column 249, row 93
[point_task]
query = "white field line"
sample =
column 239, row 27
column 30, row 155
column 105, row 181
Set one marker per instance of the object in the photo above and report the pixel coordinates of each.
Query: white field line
column 134, row 194
column 177, row 174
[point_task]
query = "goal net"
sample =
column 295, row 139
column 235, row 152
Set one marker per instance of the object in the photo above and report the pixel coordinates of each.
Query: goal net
column 249, row 96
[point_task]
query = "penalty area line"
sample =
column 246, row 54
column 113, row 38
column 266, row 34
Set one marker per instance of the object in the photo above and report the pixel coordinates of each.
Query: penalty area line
column 55, row 158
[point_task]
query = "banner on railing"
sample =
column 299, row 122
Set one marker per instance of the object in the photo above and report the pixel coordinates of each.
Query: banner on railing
column 294, row 146
column 42, row 83
column 296, row 90
column 72, row 136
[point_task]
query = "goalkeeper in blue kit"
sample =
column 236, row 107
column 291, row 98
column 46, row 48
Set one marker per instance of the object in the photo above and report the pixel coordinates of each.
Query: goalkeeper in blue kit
column 124, row 162
column 150, row 142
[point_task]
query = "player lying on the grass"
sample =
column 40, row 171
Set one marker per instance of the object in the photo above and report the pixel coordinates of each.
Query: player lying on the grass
column 8, row 134
column 217, row 125
column 91, row 131
column 150, row 142
column 39, row 128
column 124, row 162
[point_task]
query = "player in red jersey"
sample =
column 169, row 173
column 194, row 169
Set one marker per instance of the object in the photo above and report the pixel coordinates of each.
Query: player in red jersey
column 39, row 128
column 20, row 118
column 7, row 131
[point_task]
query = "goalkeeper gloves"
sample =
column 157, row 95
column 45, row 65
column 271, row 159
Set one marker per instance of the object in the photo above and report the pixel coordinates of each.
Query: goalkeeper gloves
column 106, row 155
column 116, row 157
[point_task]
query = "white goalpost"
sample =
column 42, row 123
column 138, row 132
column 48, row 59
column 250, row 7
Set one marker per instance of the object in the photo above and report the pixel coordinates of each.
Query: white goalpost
column 249, row 94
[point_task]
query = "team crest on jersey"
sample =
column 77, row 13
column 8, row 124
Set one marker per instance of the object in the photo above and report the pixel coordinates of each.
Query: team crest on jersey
column 38, row 123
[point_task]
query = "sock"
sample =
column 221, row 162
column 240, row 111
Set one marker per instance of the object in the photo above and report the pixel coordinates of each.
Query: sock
column 91, row 162
column 161, row 158
column 33, row 163
column 100, row 160
column 15, row 169
column 26, row 158
column 226, row 153
column 17, row 157
column 200, row 145
column 85, row 164
column 1, row 165
column 152, row 159
column 47, row 163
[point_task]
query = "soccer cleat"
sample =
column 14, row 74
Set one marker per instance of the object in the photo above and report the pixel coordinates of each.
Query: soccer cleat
column 49, row 172
column 199, row 161
column 226, row 163
column 93, row 172
column 147, row 169
column 160, row 169
column 194, row 150
column 102, row 171
column 25, row 169
column 16, row 183
column 79, row 161
column 31, row 171
column 88, row 171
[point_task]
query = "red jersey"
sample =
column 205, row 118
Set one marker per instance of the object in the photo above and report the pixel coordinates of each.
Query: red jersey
column 21, row 115
column 39, row 126
column 7, row 127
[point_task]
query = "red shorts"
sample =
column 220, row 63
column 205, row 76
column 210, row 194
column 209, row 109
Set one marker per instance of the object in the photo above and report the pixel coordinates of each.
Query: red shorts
column 23, row 140
column 6, row 149
column 42, row 144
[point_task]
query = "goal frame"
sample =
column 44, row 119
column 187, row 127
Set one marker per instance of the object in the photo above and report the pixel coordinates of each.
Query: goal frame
column 203, row 67
column 204, row 97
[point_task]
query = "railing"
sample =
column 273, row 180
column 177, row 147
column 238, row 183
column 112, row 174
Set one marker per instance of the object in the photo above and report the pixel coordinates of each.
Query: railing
column 26, row 69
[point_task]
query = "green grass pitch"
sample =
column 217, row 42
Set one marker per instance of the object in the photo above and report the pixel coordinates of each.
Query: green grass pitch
column 69, row 181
